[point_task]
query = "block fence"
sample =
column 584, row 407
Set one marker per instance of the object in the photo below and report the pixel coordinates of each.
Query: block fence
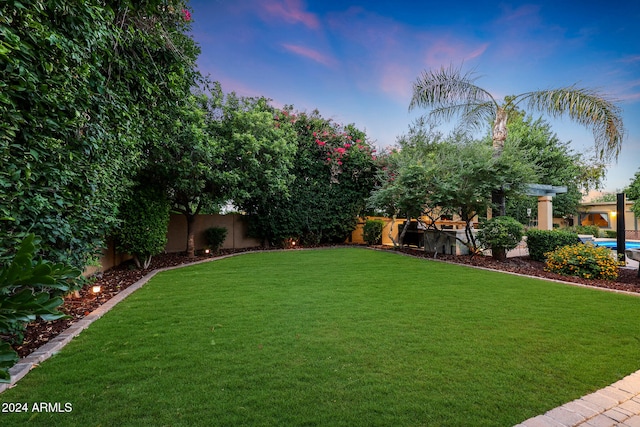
column 235, row 224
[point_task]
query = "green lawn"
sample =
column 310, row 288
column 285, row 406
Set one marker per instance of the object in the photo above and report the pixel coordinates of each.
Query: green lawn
column 340, row 337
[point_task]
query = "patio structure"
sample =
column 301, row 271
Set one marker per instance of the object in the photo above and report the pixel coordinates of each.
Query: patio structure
column 545, row 194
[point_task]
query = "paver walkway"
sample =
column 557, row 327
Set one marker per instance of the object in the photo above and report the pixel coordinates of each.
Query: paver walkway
column 615, row 405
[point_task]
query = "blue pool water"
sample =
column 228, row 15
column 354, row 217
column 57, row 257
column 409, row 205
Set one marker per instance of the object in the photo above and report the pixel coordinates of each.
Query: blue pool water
column 613, row 244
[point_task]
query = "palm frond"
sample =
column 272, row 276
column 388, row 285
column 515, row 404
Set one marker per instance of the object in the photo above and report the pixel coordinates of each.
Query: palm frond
column 447, row 87
column 587, row 107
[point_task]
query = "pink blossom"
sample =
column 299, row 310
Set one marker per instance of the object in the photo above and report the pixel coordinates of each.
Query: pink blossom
column 339, row 162
column 320, row 143
column 328, row 159
column 358, row 140
column 315, row 133
column 187, row 15
column 347, row 145
column 340, row 150
column 349, row 137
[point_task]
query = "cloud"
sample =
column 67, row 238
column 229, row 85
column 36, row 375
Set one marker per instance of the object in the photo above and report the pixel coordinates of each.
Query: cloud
column 630, row 59
column 310, row 54
column 396, row 80
column 444, row 51
column 292, row 11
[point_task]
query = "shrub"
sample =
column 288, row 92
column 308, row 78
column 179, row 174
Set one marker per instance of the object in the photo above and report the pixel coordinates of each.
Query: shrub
column 540, row 242
column 143, row 231
column 215, row 237
column 610, row 233
column 592, row 230
column 583, row 260
column 372, row 231
column 29, row 289
column 501, row 234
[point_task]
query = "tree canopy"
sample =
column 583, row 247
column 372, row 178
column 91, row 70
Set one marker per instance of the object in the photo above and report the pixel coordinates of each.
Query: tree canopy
column 449, row 93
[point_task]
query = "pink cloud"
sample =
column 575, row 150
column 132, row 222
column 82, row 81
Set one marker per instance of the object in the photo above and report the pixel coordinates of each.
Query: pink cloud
column 396, row 80
column 292, row 11
column 445, row 52
column 311, row 54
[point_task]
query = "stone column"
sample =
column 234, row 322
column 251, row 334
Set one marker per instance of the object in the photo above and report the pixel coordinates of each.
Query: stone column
column 545, row 213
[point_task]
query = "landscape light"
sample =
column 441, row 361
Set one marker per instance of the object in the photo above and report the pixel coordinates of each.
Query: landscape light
column 96, row 289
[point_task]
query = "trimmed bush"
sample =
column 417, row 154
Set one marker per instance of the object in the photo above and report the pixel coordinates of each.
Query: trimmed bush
column 501, row 234
column 611, row 234
column 143, row 230
column 540, row 242
column 593, row 230
column 372, row 231
column 583, row 260
column 215, row 237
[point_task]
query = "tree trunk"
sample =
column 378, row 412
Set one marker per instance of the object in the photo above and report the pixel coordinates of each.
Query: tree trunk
column 499, row 254
column 499, row 202
column 191, row 238
column 499, row 136
column 393, row 240
column 404, row 232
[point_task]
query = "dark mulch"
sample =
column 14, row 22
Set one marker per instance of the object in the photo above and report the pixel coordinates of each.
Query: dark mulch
column 123, row 276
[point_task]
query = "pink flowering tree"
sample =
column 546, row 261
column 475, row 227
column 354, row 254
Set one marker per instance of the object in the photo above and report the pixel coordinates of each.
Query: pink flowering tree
column 334, row 169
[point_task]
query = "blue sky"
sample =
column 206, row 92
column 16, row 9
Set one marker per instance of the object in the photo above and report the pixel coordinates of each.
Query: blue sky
column 356, row 61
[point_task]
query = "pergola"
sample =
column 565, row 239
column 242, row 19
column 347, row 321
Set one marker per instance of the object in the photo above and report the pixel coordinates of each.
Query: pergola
column 545, row 194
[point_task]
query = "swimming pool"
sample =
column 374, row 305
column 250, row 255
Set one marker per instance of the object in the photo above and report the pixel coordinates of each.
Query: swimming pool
column 612, row 244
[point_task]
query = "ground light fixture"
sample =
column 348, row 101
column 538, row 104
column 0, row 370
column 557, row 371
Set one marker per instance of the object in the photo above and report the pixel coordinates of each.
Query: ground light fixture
column 96, row 289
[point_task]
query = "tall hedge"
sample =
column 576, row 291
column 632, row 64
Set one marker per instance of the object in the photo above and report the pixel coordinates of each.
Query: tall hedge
column 540, row 242
column 84, row 85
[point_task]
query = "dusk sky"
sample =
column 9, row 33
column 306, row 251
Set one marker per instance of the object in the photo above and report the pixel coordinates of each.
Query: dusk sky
column 356, row 61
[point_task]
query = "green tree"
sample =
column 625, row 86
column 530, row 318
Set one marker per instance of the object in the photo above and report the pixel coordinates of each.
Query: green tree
column 257, row 144
column 633, row 193
column 334, row 172
column 468, row 171
column 556, row 163
column 449, row 93
column 405, row 178
column 188, row 165
column 432, row 175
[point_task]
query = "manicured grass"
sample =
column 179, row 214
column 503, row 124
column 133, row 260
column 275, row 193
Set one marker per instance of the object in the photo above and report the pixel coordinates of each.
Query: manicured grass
column 340, row 337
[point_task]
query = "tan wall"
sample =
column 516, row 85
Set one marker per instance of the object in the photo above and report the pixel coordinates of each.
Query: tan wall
column 608, row 209
column 357, row 234
column 235, row 224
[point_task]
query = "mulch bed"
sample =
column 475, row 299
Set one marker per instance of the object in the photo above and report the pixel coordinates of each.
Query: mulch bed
column 116, row 279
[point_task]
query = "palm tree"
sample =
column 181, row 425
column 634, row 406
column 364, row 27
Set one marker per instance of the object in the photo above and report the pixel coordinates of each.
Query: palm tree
column 450, row 93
